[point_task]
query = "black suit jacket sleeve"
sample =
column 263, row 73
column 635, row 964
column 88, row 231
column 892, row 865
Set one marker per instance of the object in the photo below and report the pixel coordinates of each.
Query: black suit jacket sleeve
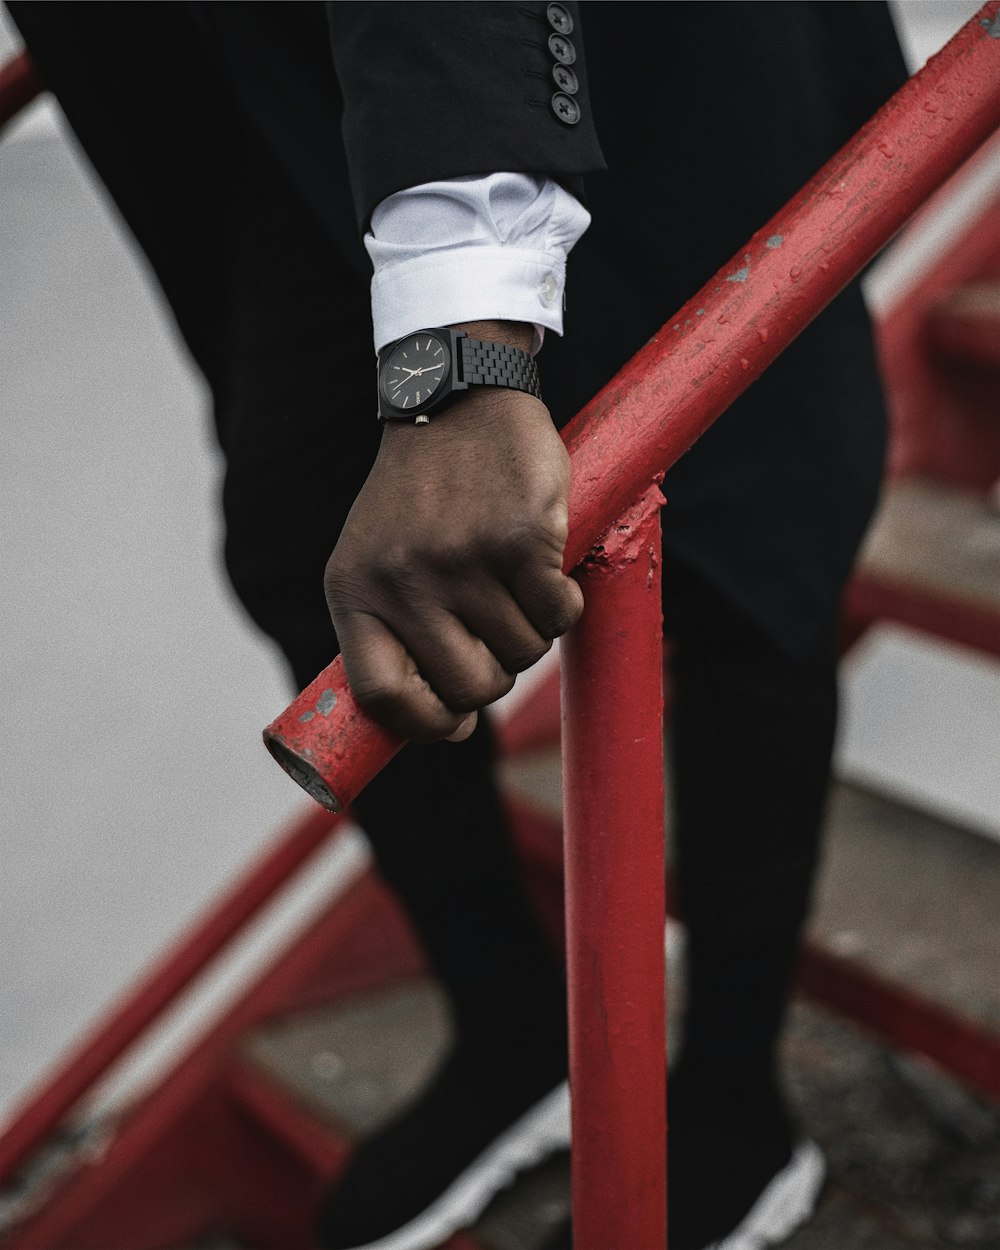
column 438, row 90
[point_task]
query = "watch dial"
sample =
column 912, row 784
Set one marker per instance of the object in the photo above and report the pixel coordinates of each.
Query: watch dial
column 414, row 370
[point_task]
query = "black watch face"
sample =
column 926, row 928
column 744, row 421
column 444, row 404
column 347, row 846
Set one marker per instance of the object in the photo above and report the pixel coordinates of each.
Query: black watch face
column 414, row 371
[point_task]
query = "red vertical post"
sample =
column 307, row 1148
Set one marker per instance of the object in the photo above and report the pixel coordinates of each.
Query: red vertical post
column 613, row 810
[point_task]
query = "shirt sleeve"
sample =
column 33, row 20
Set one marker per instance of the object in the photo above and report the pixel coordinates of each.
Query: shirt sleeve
column 472, row 248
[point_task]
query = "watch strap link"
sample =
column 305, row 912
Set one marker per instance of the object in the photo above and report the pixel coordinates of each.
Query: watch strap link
column 498, row 364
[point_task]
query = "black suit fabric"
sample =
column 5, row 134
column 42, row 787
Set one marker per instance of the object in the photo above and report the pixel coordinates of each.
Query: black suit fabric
column 455, row 88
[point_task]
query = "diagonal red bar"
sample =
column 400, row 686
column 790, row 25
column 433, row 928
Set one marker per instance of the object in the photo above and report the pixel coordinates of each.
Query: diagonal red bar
column 91, row 1058
column 709, row 353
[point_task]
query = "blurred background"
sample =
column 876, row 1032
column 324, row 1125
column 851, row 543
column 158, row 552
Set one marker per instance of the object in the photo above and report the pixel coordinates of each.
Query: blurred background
column 133, row 781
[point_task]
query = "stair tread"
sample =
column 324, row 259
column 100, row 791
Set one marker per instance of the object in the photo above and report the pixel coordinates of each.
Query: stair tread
column 912, row 1158
column 897, row 1176
column 355, row 1063
column 902, row 892
column 944, row 540
column 909, row 895
column 913, row 897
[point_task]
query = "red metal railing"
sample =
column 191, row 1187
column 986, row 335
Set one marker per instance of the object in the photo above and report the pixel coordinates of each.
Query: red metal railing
column 612, row 740
column 640, row 423
column 159, row 988
column 19, row 85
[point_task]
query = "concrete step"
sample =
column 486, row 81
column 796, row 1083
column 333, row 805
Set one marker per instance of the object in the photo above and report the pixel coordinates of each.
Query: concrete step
column 914, row 1161
column 907, row 1168
column 357, row 1063
column 915, row 899
column 905, row 893
column 941, row 539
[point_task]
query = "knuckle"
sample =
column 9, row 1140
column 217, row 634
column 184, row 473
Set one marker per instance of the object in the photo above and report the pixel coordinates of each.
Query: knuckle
column 504, row 685
column 467, row 698
column 427, row 731
column 344, row 588
column 393, row 573
column 531, row 550
column 562, row 620
column 475, row 692
column 378, row 694
column 557, row 523
column 518, row 544
column 562, row 608
column 527, row 657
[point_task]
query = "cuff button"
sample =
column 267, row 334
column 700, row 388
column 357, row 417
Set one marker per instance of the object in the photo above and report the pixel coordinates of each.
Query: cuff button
column 562, row 49
column 560, row 18
column 565, row 79
column 565, row 108
column 548, row 289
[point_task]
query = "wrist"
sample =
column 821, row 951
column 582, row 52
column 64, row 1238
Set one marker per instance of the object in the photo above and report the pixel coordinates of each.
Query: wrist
column 519, row 334
column 475, row 414
column 422, row 374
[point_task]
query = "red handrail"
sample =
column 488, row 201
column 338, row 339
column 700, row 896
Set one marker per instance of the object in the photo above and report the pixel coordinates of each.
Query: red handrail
column 709, row 353
column 19, row 84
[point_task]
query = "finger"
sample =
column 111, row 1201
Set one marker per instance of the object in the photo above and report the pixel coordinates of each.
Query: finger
column 550, row 600
column 490, row 613
column 387, row 683
column 460, row 668
column 466, row 728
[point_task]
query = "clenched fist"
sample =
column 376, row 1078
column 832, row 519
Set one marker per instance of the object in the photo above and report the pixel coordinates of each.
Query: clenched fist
column 447, row 580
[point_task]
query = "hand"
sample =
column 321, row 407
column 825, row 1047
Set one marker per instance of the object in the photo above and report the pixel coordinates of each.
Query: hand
column 447, row 579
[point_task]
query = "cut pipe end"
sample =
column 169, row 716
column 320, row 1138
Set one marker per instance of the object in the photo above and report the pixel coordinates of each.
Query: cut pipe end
column 303, row 773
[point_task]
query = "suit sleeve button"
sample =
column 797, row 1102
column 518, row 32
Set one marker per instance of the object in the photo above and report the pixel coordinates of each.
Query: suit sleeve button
column 565, row 108
column 565, row 79
column 560, row 19
column 562, row 49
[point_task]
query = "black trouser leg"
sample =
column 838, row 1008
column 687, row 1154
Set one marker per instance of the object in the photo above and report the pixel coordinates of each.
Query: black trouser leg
column 751, row 742
column 269, row 300
column 442, row 843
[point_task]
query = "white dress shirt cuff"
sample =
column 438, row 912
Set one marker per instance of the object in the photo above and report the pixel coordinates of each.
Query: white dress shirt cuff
column 473, row 283
column 474, row 248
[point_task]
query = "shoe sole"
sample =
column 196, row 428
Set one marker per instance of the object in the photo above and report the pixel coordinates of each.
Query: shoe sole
column 537, row 1134
column 785, row 1205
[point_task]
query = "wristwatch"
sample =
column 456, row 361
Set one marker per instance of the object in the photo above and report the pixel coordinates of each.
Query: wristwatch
column 423, row 372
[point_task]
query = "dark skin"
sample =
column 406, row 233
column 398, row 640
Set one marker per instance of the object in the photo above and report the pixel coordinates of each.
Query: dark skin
column 447, row 580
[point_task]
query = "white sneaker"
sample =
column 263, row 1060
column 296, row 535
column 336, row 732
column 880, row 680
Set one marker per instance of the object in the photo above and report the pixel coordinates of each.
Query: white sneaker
column 788, row 1201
